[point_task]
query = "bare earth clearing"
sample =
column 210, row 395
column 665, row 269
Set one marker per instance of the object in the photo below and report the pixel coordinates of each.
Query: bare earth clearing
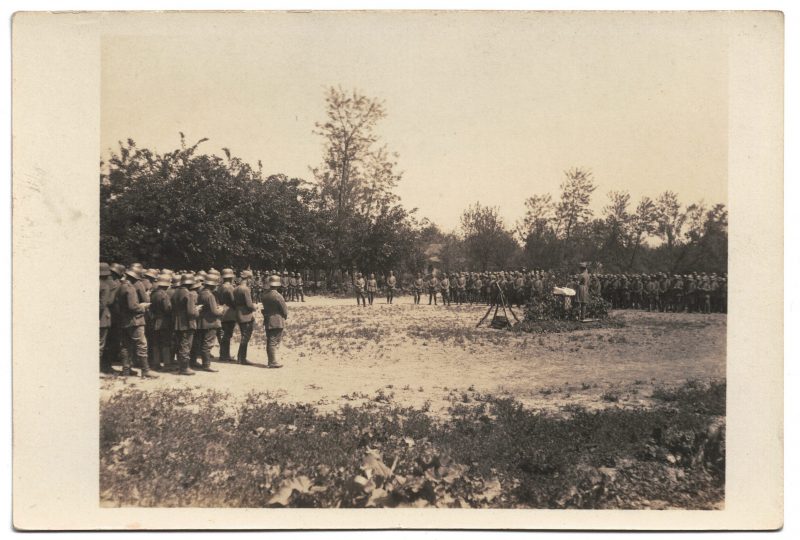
column 335, row 353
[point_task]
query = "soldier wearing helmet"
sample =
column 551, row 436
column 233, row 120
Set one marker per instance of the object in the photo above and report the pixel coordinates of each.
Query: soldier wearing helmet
column 360, row 285
column 391, row 286
column 209, row 320
column 161, row 311
column 132, row 323
column 417, row 288
column 275, row 314
column 105, row 311
column 372, row 288
column 299, row 287
column 243, row 301
column 228, row 323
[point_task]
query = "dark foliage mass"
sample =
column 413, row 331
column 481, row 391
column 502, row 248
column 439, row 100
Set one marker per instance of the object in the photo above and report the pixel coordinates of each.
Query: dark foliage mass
column 180, row 448
column 186, row 209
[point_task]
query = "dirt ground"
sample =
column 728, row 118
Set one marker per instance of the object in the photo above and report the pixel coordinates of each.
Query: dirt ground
column 335, row 353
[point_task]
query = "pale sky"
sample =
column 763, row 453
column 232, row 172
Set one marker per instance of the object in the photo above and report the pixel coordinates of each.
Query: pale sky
column 481, row 107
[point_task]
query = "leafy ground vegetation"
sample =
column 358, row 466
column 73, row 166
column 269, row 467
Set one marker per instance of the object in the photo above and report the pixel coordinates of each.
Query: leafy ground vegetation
column 182, row 447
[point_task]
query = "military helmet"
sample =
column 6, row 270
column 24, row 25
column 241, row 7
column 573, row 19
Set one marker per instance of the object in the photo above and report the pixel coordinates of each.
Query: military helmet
column 211, row 280
column 213, row 272
column 131, row 273
column 227, row 273
column 137, row 267
column 105, row 270
column 151, row 273
column 118, row 269
column 163, row 280
column 187, row 279
column 176, row 279
column 275, row 280
column 246, row 274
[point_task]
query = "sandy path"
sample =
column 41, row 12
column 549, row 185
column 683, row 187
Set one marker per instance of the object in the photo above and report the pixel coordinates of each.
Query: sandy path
column 336, row 353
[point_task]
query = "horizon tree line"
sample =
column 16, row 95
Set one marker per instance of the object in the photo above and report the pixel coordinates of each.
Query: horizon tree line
column 188, row 209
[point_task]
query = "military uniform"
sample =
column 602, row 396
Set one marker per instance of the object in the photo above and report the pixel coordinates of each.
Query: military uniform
column 391, row 285
column 417, row 288
column 184, row 322
column 663, row 293
column 677, row 294
column 284, row 290
column 445, row 287
column 461, row 289
column 228, row 323
column 299, row 287
column 113, row 345
column 292, row 294
column 132, row 323
column 275, row 314
column 360, row 286
column 433, row 289
column 244, row 315
column 595, row 287
column 106, row 299
column 637, row 293
column 372, row 288
column 208, row 322
column 690, row 294
column 161, row 309
column 477, row 290
column 705, row 294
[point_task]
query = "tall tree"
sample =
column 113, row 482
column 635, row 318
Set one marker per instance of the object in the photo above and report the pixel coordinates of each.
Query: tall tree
column 357, row 174
column 669, row 218
column 487, row 243
column 643, row 224
column 617, row 228
column 539, row 217
column 573, row 208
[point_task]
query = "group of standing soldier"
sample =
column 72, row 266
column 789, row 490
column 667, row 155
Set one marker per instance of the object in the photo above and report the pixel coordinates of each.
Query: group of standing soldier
column 694, row 292
column 455, row 287
column 159, row 320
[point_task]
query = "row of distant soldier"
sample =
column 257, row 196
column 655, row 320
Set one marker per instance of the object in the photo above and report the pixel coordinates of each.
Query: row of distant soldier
column 695, row 292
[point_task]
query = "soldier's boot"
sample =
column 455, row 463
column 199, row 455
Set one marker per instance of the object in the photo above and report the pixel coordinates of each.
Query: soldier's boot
column 207, row 364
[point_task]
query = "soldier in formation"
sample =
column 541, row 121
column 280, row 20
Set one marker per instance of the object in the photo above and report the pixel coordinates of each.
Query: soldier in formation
column 275, row 314
column 391, row 287
column 159, row 320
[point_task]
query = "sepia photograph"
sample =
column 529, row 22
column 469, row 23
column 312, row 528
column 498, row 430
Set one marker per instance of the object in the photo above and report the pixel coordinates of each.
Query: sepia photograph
column 489, row 273
column 414, row 260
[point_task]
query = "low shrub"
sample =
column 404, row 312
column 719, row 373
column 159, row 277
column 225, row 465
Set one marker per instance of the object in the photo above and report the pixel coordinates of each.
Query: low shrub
column 179, row 448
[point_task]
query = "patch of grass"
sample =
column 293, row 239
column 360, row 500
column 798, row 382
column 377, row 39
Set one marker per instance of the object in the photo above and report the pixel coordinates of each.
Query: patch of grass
column 558, row 326
column 702, row 398
column 611, row 395
column 182, row 448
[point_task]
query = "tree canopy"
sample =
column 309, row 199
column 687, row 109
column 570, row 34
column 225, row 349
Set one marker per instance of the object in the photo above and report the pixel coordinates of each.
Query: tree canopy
column 186, row 208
